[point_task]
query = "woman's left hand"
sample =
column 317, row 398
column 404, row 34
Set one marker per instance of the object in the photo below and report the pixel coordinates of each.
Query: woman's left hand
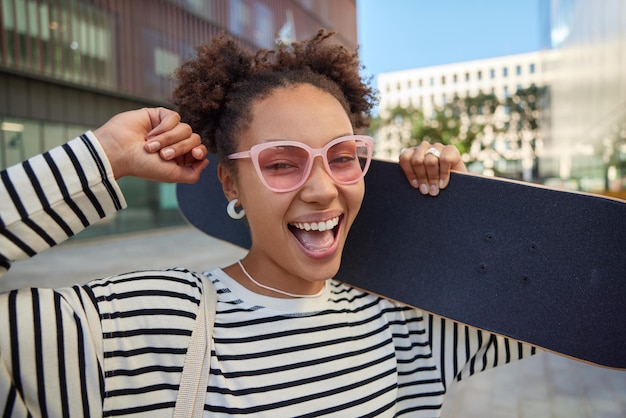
column 428, row 166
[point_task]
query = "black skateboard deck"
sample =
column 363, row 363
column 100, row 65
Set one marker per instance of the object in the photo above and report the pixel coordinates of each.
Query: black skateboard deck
column 542, row 266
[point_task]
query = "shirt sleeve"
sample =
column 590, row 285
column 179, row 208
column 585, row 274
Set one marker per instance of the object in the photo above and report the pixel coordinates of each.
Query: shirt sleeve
column 462, row 351
column 53, row 196
column 50, row 357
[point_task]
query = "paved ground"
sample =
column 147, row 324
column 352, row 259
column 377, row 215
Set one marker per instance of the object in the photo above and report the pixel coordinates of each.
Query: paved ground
column 545, row 386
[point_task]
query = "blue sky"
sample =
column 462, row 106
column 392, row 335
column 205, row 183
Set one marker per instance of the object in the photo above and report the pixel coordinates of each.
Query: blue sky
column 403, row 34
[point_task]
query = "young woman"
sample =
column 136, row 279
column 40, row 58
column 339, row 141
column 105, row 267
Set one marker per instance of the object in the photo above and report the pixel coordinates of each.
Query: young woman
column 288, row 339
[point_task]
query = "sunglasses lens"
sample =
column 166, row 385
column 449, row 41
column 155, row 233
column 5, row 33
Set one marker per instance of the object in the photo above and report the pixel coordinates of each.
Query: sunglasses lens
column 347, row 160
column 284, row 166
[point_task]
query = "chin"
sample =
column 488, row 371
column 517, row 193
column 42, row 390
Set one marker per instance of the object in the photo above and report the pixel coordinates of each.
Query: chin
column 326, row 268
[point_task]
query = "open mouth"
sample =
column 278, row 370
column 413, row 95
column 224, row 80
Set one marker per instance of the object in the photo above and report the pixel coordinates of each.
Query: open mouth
column 316, row 236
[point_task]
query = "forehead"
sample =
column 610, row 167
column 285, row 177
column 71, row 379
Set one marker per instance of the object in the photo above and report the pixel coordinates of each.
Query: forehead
column 301, row 113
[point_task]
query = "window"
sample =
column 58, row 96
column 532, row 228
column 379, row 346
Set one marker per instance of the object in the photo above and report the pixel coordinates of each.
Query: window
column 505, row 72
column 239, row 17
column 13, row 142
column 532, row 68
column 467, row 76
column 455, row 79
column 24, row 138
column 165, row 62
column 518, row 70
column 443, row 80
column 492, row 73
column 432, row 81
column 53, row 135
column 479, row 75
column 263, row 22
column 59, row 41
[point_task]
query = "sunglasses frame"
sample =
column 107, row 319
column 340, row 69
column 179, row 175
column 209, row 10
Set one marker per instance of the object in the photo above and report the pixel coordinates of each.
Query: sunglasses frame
column 254, row 152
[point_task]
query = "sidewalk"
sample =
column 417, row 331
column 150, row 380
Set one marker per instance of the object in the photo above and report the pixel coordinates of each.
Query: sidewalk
column 545, row 386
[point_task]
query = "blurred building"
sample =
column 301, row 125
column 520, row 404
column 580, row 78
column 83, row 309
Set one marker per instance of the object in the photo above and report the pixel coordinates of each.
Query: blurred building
column 583, row 65
column 431, row 88
column 66, row 66
column 427, row 88
column 585, row 130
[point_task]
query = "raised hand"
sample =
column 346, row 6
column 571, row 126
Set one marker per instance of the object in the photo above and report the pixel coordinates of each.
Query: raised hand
column 153, row 144
column 428, row 166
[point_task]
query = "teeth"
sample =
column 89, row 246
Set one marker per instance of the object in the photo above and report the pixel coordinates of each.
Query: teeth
column 318, row 226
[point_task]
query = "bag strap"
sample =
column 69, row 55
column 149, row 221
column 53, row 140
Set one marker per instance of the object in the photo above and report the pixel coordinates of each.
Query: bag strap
column 195, row 376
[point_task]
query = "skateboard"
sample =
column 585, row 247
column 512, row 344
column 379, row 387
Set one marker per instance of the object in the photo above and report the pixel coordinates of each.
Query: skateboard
column 538, row 265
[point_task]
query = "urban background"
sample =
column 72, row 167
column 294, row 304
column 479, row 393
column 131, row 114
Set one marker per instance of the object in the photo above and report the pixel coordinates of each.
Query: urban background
column 555, row 116
column 69, row 65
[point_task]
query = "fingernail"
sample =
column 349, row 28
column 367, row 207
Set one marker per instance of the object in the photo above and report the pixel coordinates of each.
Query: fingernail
column 414, row 183
column 167, row 153
column 153, row 146
column 434, row 190
column 441, row 185
column 424, row 189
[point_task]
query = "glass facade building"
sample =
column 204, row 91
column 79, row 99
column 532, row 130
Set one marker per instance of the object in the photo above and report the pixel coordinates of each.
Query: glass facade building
column 66, row 66
column 585, row 129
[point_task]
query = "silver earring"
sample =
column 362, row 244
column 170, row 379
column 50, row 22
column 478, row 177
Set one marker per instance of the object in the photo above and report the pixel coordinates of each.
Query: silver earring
column 232, row 212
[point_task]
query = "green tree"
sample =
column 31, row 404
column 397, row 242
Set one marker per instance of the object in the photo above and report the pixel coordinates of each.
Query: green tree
column 483, row 128
column 459, row 123
column 523, row 127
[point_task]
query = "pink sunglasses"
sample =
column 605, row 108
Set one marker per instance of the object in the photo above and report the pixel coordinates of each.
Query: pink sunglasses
column 283, row 166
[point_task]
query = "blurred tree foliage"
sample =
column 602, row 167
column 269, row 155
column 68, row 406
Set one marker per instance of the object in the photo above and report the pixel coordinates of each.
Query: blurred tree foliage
column 508, row 129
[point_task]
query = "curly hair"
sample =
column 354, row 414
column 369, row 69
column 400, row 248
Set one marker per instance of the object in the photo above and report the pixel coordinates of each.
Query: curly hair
column 216, row 90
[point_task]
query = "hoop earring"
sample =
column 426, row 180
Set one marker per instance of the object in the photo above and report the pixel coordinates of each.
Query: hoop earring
column 232, row 212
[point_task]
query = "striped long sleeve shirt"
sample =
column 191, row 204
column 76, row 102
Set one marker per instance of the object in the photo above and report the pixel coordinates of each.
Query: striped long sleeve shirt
column 116, row 346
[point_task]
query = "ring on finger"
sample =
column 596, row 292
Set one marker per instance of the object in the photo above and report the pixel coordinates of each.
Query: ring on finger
column 434, row 151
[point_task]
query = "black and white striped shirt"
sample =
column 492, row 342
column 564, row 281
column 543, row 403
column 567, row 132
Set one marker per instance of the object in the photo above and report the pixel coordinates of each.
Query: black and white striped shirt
column 116, row 346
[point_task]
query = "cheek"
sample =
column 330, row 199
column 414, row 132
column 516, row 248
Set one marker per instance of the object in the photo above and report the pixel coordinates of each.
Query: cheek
column 263, row 207
column 354, row 198
column 358, row 193
column 265, row 210
column 266, row 220
column 250, row 188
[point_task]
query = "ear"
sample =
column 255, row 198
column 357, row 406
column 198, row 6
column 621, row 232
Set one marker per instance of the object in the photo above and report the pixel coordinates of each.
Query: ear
column 229, row 185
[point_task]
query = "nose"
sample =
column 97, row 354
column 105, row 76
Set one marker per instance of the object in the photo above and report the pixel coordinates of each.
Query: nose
column 319, row 186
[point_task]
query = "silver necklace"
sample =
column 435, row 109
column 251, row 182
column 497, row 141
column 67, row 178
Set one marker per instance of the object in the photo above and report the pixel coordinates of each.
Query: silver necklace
column 282, row 292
